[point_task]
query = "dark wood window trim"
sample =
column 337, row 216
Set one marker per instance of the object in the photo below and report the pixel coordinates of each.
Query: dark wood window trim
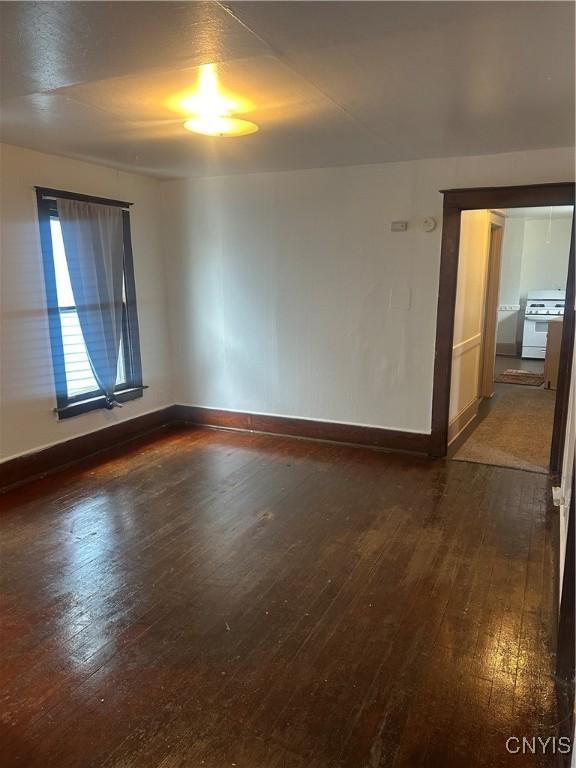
column 94, row 403
column 50, row 193
column 456, row 201
column 133, row 387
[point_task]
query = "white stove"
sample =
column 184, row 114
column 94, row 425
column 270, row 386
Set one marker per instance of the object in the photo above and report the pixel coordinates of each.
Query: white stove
column 541, row 308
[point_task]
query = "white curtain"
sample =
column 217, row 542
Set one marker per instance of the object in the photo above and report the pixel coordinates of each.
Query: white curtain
column 94, row 248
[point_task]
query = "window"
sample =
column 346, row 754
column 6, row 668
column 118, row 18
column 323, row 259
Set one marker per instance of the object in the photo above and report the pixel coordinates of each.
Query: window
column 77, row 390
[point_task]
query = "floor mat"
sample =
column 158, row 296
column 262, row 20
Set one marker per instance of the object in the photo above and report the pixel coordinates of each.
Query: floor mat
column 512, row 376
column 517, row 432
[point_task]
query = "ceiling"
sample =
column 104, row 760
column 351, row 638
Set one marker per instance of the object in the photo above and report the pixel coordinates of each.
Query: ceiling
column 332, row 83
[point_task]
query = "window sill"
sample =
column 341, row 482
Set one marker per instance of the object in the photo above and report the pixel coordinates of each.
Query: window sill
column 97, row 403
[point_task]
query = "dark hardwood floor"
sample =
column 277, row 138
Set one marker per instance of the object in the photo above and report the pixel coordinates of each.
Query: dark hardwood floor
column 218, row 599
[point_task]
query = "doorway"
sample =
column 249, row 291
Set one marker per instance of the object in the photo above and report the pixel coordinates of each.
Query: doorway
column 468, row 337
column 510, row 297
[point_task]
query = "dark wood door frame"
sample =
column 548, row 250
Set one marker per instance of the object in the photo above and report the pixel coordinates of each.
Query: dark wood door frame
column 564, row 368
column 566, row 659
column 456, row 201
column 566, row 639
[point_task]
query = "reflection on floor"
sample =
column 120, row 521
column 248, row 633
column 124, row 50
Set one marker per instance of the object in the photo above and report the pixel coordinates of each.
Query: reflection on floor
column 504, row 362
column 516, row 432
column 215, row 599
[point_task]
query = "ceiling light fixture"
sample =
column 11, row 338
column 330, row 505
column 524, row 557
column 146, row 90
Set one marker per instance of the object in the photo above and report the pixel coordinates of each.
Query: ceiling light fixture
column 212, row 111
column 220, row 126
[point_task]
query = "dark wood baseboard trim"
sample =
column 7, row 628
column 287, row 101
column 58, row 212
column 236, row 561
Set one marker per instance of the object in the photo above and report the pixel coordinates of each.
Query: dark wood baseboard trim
column 56, row 457
column 373, row 437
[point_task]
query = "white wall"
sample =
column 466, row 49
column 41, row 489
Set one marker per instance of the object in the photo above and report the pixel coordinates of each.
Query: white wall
column 534, row 257
column 27, row 395
column 288, row 292
column 567, row 472
column 290, row 295
column 508, row 329
column 545, row 254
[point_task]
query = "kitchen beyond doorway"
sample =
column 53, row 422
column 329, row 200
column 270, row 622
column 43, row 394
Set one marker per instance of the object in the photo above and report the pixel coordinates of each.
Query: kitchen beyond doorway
column 485, row 206
column 510, row 299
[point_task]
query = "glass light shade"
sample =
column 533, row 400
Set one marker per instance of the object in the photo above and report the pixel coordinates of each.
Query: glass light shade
column 220, row 126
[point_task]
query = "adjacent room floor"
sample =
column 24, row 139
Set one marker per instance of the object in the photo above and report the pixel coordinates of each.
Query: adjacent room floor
column 504, row 362
column 516, row 430
column 222, row 599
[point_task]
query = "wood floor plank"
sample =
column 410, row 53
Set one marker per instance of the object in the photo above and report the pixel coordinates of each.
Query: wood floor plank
column 215, row 598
